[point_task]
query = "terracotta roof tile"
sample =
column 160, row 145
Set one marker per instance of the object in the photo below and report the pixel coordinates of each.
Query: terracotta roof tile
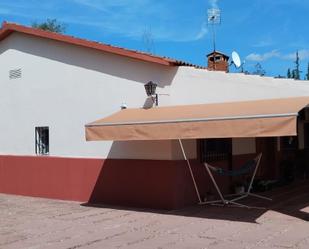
column 9, row 28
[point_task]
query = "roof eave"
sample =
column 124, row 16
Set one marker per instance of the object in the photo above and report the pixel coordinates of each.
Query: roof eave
column 9, row 28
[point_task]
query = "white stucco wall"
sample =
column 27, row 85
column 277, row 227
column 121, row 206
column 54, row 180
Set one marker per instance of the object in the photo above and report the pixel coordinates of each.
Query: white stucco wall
column 195, row 86
column 65, row 87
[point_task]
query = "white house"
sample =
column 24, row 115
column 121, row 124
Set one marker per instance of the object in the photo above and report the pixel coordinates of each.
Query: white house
column 52, row 85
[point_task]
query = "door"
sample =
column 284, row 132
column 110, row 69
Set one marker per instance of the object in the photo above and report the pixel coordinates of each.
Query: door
column 268, row 168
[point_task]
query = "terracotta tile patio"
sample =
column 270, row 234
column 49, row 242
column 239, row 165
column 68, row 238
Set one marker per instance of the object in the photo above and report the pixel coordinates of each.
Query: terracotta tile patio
column 41, row 223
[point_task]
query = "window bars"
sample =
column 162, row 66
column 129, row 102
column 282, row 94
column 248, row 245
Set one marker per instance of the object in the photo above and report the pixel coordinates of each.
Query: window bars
column 42, row 140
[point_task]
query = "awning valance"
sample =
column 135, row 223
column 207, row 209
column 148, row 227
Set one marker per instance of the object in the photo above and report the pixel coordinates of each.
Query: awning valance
column 261, row 118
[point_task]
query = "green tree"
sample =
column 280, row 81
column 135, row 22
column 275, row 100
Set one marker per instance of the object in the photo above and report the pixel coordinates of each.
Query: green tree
column 280, row 77
column 293, row 75
column 50, row 25
column 259, row 70
column 296, row 70
column 307, row 75
column 289, row 75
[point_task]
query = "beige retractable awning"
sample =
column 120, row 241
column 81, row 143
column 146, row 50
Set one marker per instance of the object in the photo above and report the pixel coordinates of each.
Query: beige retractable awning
column 261, row 118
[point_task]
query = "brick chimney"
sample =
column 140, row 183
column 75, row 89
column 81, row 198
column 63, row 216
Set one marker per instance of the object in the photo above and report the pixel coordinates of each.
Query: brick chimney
column 218, row 61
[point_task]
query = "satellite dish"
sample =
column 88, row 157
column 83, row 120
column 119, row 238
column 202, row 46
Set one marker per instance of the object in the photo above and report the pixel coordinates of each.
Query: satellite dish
column 123, row 106
column 236, row 59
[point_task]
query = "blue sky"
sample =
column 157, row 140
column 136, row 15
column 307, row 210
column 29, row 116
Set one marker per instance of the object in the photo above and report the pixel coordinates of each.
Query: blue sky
column 268, row 32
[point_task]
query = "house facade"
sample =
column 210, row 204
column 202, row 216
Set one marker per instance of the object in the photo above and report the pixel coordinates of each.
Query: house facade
column 51, row 85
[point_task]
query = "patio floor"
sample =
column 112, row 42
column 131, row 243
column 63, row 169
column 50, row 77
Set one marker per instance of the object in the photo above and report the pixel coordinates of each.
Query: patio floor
column 40, row 223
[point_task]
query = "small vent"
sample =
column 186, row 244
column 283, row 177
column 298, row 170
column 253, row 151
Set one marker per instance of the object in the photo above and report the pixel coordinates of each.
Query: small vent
column 15, row 74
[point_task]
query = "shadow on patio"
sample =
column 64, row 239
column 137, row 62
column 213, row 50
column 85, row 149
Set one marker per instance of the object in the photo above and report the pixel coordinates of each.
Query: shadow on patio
column 290, row 200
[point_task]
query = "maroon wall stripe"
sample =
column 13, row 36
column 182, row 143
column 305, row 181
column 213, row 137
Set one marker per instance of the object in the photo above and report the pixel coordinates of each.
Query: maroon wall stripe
column 138, row 183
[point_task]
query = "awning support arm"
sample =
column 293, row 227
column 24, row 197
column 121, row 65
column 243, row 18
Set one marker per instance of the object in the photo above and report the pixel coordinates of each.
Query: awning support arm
column 191, row 172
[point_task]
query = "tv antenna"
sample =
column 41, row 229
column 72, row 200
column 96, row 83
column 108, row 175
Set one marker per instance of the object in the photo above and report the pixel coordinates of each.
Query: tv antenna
column 214, row 18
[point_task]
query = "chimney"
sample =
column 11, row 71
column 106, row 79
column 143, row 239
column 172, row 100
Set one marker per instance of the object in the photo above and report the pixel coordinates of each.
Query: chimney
column 218, row 61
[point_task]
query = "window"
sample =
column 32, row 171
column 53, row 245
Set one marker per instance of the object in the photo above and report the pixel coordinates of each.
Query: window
column 216, row 58
column 42, row 140
column 215, row 149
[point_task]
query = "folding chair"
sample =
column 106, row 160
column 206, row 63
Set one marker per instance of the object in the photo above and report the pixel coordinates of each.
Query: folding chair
column 247, row 167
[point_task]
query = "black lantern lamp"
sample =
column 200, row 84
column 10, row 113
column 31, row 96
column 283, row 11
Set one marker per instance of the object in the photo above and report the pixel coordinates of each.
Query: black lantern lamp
column 150, row 88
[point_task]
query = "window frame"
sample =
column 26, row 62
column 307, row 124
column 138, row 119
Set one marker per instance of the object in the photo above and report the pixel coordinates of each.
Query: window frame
column 215, row 154
column 42, row 140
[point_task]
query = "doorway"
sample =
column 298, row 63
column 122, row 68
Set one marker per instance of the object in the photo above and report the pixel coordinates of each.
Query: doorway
column 268, row 166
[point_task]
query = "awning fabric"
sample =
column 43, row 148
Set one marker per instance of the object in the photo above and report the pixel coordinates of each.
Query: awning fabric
column 261, row 118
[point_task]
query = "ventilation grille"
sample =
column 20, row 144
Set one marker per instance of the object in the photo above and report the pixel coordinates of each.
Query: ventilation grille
column 15, row 74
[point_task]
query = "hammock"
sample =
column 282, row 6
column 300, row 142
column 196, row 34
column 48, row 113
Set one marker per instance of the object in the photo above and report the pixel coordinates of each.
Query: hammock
column 251, row 165
column 246, row 168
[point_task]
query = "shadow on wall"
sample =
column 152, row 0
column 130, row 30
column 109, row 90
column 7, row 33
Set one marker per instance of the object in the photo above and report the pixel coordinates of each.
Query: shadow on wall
column 147, row 184
column 152, row 150
column 133, row 183
column 136, row 182
column 96, row 60
column 151, row 183
column 166, row 185
column 149, row 103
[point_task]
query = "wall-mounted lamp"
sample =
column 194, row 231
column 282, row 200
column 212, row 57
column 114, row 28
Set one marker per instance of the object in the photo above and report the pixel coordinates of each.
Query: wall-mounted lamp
column 150, row 88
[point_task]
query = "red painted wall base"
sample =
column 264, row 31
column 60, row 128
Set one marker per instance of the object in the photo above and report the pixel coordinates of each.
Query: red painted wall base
column 138, row 183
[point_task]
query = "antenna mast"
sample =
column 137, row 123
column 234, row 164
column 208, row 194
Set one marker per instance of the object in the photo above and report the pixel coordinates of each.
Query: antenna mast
column 214, row 18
